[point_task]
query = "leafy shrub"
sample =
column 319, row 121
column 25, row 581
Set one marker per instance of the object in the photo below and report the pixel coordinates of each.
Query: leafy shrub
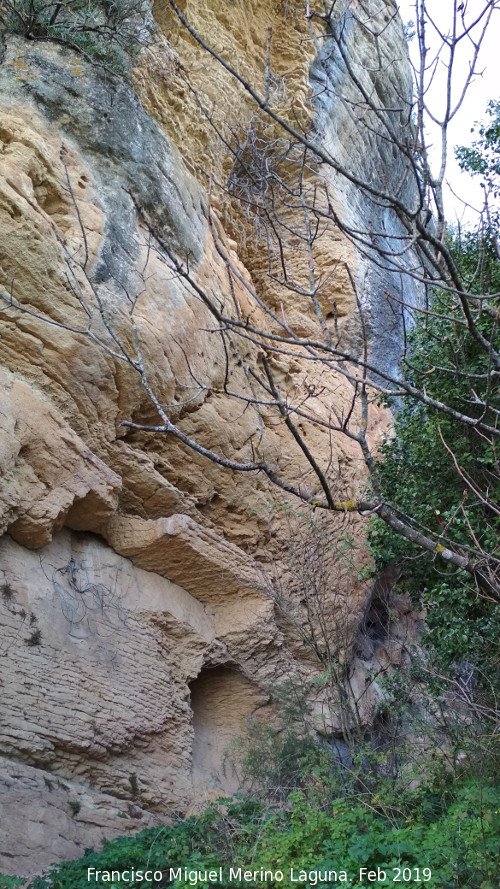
column 273, row 761
column 10, row 882
column 446, row 475
column 453, row 830
column 483, row 158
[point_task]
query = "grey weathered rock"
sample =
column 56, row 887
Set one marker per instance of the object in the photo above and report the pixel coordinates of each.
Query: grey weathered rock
column 351, row 75
column 121, row 144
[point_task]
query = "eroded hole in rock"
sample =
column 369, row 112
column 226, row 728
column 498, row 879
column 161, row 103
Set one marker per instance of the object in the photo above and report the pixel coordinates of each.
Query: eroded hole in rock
column 380, row 612
column 222, row 701
column 51, row 198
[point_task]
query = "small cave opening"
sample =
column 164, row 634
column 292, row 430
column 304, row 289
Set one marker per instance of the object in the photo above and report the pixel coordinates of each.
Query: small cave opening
column 222, row 701
column 376, row 624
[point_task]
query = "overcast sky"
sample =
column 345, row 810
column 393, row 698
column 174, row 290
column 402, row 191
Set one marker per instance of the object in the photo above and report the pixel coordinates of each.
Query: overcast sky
column 482, row 89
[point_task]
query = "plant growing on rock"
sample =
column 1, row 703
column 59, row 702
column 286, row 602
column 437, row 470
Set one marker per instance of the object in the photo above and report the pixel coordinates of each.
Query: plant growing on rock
column 101, row 31
column 6, row 592
column 34, row 638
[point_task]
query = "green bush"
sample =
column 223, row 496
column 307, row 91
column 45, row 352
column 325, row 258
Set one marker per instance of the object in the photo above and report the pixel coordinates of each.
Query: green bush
column 10, row 882
column 445, row 474
column 453, row 830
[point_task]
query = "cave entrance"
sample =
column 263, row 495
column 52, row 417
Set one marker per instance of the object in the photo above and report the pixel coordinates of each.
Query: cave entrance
column 222, row 700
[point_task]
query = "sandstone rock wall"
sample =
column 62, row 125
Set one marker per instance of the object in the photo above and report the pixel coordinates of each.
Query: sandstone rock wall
column 95, row 663
column 138, row 629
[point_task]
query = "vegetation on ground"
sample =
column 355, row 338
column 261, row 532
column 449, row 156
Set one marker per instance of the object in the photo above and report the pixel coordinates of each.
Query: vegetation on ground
column 443, row 834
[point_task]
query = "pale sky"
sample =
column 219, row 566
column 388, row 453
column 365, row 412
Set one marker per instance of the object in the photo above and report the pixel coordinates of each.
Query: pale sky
column 482, row 89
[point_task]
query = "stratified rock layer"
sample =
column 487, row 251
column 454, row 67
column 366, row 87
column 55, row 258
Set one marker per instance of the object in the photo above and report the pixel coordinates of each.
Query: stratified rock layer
column 138, row 624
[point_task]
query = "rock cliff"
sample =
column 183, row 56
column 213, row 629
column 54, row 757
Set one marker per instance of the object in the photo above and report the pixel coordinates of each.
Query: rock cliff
column 138, row 632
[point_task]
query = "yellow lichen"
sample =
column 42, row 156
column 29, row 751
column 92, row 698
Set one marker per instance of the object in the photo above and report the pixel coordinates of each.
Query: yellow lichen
column 344, row 505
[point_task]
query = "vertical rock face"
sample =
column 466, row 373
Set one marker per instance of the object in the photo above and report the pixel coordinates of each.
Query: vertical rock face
column 365, row 67
column 137, row 628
